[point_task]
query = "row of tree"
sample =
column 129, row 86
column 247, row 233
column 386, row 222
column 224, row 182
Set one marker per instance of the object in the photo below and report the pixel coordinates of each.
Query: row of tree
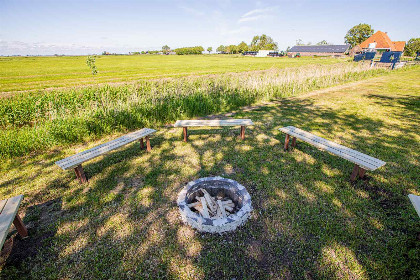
column 189, row 50
column 356, row 35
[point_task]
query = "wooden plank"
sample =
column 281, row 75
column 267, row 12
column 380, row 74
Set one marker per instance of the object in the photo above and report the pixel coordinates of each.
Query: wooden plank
column 338, row 146
column 101, row 149
column 106, row 146
column 8, row 215
column 228, row 122
column 75, row 160
column 339, row 150
column 2, row 203
column 415, row 200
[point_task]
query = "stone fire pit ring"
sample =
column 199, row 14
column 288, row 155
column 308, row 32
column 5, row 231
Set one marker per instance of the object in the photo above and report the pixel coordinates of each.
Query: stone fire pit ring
column 232, row 189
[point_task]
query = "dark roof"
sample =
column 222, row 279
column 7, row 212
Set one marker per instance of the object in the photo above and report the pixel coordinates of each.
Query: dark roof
column 321, row 48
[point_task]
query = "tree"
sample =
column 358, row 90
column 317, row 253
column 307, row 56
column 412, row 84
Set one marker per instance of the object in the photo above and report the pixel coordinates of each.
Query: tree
column 189, row 50
column 90, row 62
column 299, row 42
column 209, row 49
column 358, row 33
column 263, row 42
column 166, row 49
column 242, row 47
column 232, row 49
column 323, row 42
column 412, row 47
column 221, row 49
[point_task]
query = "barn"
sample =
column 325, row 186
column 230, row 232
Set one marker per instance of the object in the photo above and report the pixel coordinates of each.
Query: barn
column 319, row 50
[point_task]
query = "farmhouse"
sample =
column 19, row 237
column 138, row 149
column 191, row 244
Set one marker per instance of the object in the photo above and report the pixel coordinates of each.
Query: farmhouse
column 321, row 50
column 381, row 42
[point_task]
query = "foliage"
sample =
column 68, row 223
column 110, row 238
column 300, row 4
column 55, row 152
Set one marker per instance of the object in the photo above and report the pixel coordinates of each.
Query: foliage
column 91, row 63
column 232, row 49
column 210, row 49
column 358, row 33
column 242, row 47
column 412, row 47
column 263, row 42
column 166, row 49
column 221, row 49
column 189, row 50
column 323, row 42
column 299, row 42
column 37, row 121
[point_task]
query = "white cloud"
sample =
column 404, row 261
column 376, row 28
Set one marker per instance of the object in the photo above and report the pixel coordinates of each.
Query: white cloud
column 256, row 14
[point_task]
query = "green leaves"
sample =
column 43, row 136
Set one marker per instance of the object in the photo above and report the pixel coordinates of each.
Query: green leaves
column 90, row 62
column 357, row 34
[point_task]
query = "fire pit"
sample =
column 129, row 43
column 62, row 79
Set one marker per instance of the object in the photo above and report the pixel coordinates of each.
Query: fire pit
column 214, row 204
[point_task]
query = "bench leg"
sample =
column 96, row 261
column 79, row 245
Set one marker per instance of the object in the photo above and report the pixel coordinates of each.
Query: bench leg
column 20, row 226
column 293, row 142
column 286, row 142
column 141, row 143
column 149, row 148
column 362, row 173
column 242, row 132
column 80, row 174
column 357, row 172
column 185, row 134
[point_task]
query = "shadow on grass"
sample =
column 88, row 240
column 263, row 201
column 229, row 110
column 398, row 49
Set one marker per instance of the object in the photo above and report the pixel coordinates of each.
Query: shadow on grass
column 309, row 222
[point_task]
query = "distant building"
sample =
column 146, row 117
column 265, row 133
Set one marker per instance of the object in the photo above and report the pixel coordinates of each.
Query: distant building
column 381, row 42
column 263, row 53
column 319, row 50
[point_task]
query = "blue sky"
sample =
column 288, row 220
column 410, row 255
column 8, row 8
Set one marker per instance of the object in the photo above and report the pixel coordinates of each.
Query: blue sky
column 83, row 27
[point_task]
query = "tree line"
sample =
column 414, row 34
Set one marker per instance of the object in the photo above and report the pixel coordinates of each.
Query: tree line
column 355, row 36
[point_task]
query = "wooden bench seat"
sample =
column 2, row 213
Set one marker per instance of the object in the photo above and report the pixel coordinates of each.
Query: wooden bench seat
column 199, row 123
column 8, row 214
column 362, row 161
column 76, row 160
column 415, row 200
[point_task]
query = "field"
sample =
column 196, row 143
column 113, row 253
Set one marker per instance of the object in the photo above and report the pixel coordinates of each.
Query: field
column 41, row 120
column 35, row 73
column 309, row 221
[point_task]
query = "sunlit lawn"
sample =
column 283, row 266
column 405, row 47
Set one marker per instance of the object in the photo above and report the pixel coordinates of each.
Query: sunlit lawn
column 309, row 221
column 35, row 73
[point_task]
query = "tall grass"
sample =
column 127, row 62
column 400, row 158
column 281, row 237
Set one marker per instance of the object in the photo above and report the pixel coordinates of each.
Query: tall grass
column 34, row 122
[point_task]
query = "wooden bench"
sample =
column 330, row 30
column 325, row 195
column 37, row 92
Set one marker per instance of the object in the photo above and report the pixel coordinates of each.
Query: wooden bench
column 197, row 123
column 361, row 161
column 8, row 214
column 415, row 200
column 76, row 160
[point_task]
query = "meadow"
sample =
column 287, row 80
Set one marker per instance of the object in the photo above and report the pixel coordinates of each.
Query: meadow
column 38, row 121
column 309, row 221
column 36, row 73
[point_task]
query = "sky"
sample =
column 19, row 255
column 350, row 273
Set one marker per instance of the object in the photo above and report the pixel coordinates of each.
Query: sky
column 76, row 27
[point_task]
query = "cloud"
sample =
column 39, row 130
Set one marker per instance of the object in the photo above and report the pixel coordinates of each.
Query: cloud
column 256, row 14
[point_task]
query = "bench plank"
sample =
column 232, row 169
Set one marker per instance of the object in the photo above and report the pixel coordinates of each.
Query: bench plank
column 75, row 160
column 345, row 149
column 351, row 155
column 231, row 122
column 8, row 215
column 415, row 200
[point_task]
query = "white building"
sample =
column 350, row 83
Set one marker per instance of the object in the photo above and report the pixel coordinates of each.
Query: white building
column 263, row 53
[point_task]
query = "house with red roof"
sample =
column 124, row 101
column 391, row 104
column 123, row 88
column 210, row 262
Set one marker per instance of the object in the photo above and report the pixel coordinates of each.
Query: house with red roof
column 382, row 43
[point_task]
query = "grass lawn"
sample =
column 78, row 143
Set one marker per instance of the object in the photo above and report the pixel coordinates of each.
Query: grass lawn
column 309, row 221
column 35, row 73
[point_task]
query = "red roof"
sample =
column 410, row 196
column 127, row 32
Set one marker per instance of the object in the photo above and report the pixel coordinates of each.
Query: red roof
column 383, row 41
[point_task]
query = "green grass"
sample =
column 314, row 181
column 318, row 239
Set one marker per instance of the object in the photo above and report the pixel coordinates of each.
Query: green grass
column 309, row 221
column 37, row 121
column 35, row 73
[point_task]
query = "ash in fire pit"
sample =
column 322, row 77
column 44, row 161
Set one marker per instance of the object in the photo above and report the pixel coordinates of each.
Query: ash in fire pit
column 214, row 204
